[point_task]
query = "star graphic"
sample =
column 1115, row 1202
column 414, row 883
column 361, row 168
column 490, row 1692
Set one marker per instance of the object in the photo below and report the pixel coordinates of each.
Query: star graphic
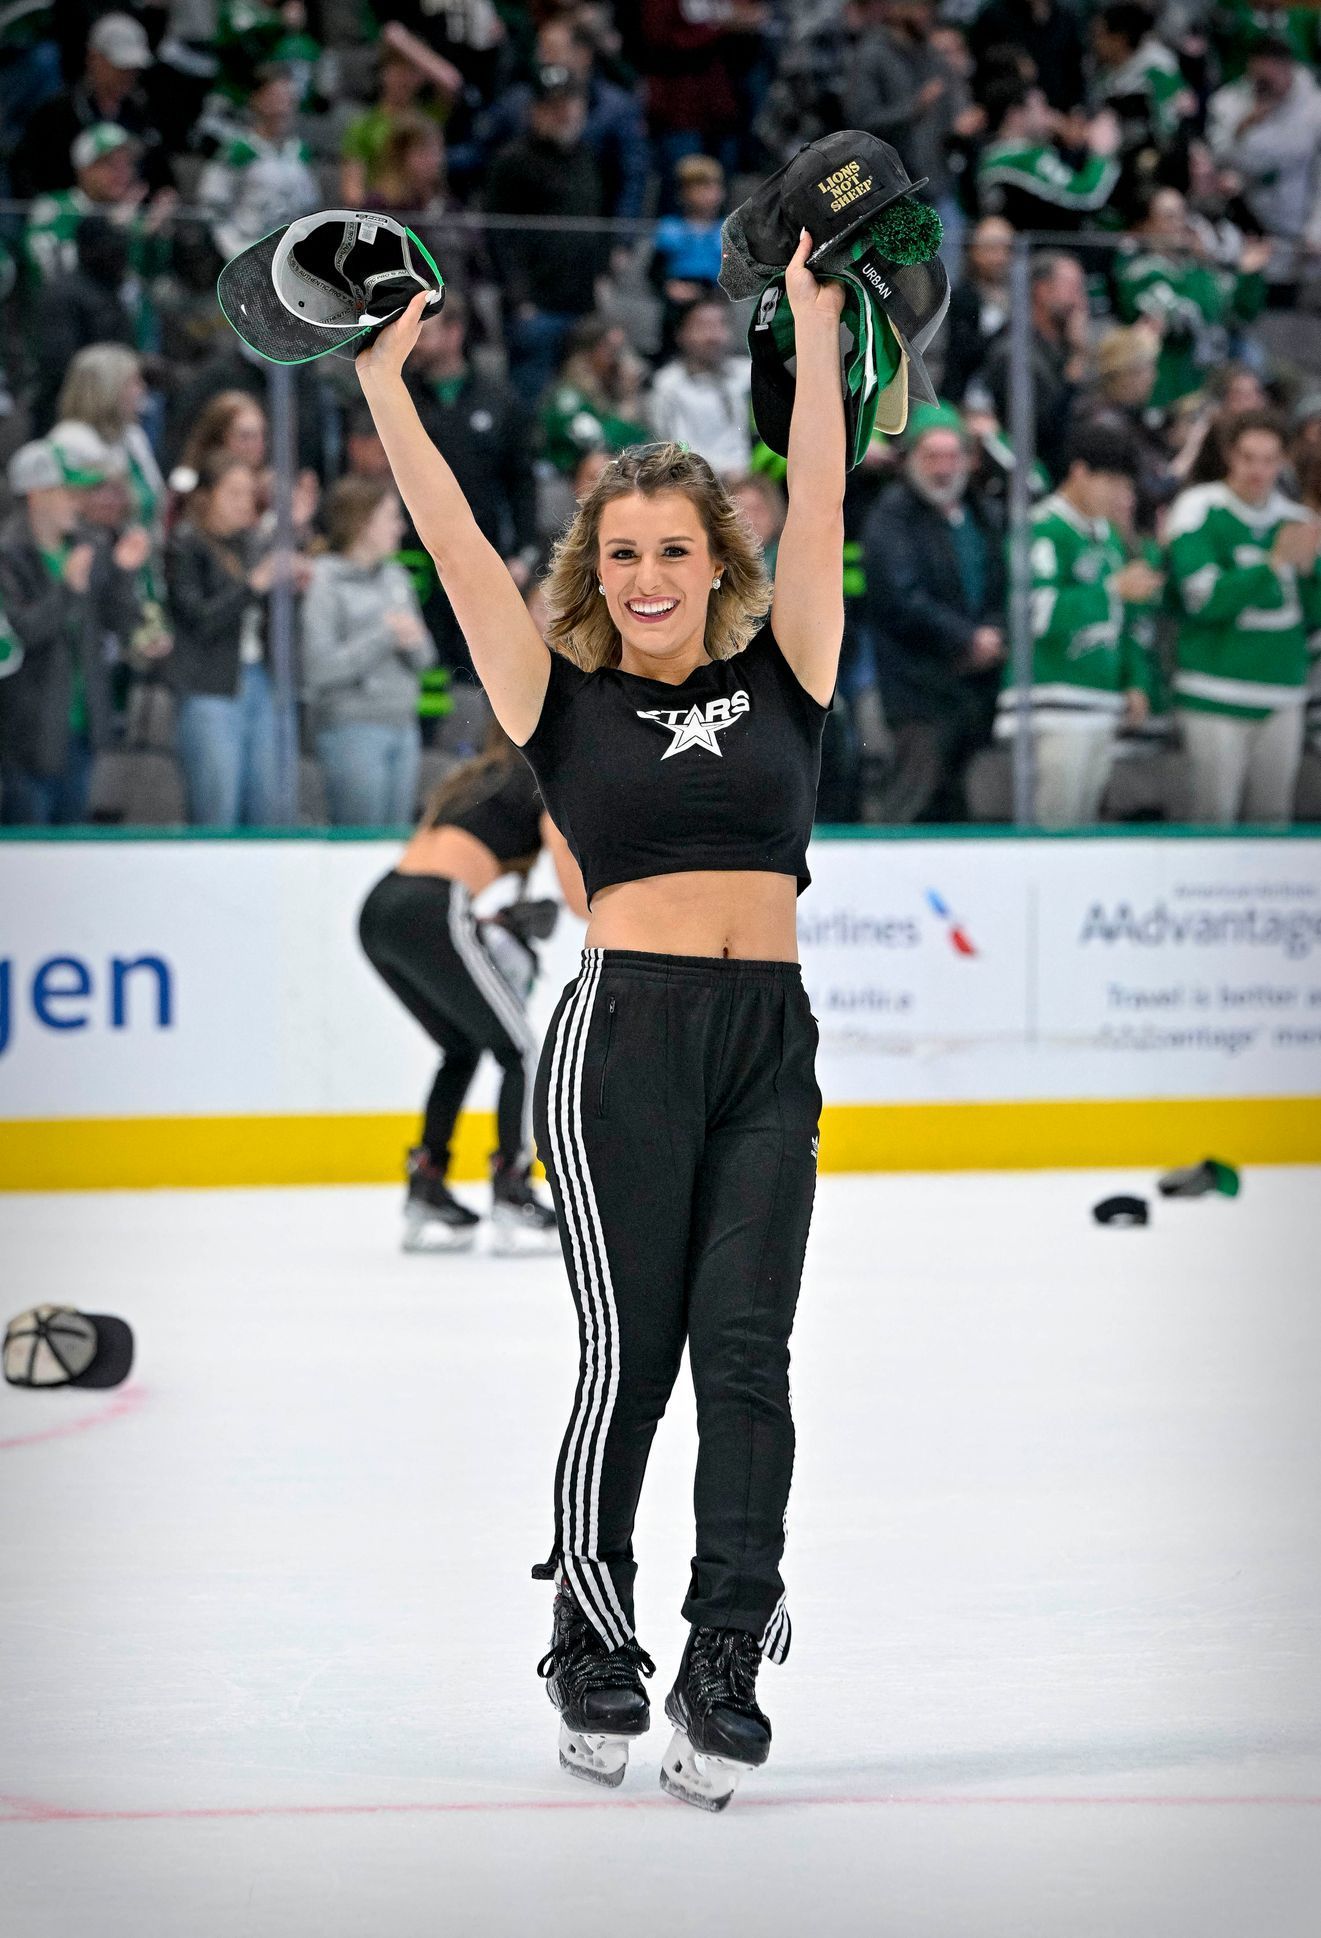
column 693, row 730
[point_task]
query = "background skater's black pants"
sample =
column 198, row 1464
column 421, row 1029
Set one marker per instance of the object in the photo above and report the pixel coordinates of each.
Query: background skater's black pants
column 420, row 935
column 676, row 1113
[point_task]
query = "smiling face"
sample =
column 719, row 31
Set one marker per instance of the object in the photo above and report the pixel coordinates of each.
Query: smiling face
column 654, row 560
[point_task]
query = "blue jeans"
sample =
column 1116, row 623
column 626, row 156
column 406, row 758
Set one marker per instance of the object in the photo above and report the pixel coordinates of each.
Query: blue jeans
column 370, row 772
column 230, row 754
column 30, row 800
column 536, row 345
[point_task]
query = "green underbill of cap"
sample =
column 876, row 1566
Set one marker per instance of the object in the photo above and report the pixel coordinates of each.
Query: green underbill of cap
column 906, row 232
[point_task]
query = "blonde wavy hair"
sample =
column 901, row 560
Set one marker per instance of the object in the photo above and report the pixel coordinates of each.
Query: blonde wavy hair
column 94, row 388
column 580, row 625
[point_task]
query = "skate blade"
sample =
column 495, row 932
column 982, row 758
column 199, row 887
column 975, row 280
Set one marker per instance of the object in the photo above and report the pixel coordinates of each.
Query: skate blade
column 512, row 1239
column 706, row 1782
column 422, row 1234
column 596, row 1759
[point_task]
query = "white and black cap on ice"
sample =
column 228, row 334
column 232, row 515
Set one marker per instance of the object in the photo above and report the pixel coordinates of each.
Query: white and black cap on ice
column 55, row 1345
column 325, row 283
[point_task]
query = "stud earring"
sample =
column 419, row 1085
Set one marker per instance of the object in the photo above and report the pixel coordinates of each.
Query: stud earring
column 715, row 585
column 600, row 588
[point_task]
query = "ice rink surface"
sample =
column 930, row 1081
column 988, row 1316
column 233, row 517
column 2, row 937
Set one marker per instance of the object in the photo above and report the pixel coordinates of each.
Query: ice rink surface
column 1054, row 1568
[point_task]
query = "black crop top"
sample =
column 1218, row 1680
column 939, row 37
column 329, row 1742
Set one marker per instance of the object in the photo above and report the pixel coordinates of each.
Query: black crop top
column 643, row 778
column 504, row 812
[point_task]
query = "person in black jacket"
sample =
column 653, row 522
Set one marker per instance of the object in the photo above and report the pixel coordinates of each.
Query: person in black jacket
column 481, row 425
column 979, row 304
column 219, row 581
column 1060, row 356
column 936, row 588
column 85, row 305
column 69, row 599
column 549, row 274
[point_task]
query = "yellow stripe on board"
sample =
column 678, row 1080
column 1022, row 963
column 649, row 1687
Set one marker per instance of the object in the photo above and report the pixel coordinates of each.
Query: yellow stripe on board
column 131, row 1153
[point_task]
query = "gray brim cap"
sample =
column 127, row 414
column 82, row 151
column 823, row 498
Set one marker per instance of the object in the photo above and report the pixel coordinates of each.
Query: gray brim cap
column 56, row 1345
column 325, row 284
column 34, row 467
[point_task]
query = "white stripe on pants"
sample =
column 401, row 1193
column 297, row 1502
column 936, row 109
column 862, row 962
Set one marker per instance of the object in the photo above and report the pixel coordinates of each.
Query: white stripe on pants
column 1243, row 770
column 580, row 1501
column 508, row 1009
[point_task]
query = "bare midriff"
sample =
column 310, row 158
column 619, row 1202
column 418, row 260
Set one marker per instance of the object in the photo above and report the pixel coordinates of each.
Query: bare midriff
column 451, row 852
column 744, row 914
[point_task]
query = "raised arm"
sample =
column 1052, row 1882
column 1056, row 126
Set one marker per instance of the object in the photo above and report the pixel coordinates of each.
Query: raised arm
column 512, row 661
column 808, row 613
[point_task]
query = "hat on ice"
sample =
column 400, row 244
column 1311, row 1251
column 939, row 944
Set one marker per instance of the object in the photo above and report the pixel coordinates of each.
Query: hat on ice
column 853, row 195
column 325, row 283
column 54, row 1345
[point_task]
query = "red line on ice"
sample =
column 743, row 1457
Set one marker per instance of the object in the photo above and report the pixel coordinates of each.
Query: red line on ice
column 24, row 1810
column 119, row 1408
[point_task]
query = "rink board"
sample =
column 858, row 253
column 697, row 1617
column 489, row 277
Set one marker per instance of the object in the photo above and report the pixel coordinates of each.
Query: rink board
column 184, row 1011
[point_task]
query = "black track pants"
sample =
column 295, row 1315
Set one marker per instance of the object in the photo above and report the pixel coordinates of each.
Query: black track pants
column 676, row 1113
column 420, row 935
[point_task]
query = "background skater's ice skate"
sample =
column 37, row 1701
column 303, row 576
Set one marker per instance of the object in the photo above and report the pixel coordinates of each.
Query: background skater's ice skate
column 719, row 1732
column 519, row 1219
column 434, row 1220
column 598, row 1692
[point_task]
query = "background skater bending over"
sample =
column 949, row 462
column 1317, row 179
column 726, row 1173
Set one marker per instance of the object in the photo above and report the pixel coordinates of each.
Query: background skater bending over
column 675, row 739
column 466, row 980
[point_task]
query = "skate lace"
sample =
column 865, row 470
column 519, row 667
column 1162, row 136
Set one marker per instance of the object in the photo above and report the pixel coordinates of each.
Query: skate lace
column 722, row 1670
column 583, row 1662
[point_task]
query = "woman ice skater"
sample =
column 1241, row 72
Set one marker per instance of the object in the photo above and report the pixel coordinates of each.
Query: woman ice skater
column 467, row 979
column 675, row 738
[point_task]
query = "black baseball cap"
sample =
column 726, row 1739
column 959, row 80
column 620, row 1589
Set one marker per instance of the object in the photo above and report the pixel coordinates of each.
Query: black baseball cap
column 855, row 198
column 55, row 1345
column 326, row 283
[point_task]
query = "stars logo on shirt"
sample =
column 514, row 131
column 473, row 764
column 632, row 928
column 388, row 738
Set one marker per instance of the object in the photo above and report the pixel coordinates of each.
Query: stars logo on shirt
column 698, row 726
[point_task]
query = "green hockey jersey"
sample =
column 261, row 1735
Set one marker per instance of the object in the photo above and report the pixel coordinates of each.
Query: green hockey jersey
column 1013, row 175
column 1193, row 302
column 1085, row 655
column 1153, row 71
column 51, row 237
column 572, row 423
column 1245, row 626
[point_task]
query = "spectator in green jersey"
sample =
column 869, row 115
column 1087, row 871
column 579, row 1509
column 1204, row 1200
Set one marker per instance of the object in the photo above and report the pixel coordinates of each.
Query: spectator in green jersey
column 105, row 163
column 1024, row 176
column 264, row 177
column 1089, row 674
column 1168, row 279
column 1244, row 572
column 596, row 403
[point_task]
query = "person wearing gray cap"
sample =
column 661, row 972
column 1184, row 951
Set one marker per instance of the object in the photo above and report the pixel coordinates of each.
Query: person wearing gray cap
column 63, row 594
column 112, row 89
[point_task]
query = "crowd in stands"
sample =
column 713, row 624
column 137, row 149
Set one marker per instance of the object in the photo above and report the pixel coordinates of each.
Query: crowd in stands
column 568, row 164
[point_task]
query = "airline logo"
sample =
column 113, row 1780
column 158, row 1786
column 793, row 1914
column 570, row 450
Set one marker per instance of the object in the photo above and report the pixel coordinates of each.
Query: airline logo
column 960, row 941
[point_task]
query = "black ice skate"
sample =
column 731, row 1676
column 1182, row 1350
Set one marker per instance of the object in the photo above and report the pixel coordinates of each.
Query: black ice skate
column 520, row 1221
column 719, row 1732
column 434, row 1220
column 598, row 1692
